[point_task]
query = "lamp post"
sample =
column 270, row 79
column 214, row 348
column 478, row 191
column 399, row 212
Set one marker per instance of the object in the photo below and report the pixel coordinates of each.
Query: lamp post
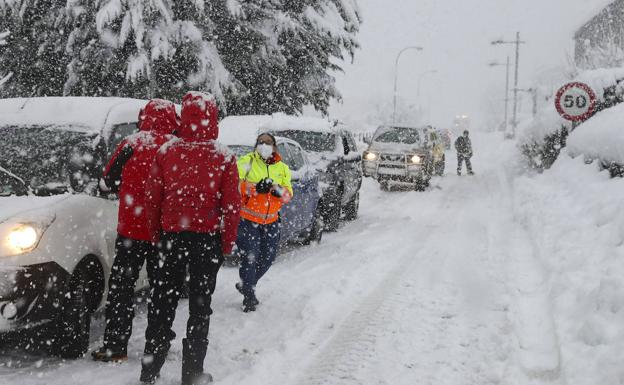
column 396, row 68
column 495, row 64
column 517, row 42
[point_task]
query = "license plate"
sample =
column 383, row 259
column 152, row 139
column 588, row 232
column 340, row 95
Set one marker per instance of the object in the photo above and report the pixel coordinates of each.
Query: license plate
column 391, row 171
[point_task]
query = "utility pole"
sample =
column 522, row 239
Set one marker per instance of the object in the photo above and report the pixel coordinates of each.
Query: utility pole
column 396, row 68
column 517, row 42
column 507, row 66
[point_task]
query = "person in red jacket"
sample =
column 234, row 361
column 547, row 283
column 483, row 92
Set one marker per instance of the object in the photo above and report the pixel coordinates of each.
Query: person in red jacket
column 193, row 207
column 126, row 174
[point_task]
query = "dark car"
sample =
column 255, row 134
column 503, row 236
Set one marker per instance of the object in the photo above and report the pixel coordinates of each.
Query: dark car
column 334, row 154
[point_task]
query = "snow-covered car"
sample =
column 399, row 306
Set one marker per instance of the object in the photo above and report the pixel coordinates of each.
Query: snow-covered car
column 56, row 234
column 333, row 152
column 300, row 219
column 401, row 155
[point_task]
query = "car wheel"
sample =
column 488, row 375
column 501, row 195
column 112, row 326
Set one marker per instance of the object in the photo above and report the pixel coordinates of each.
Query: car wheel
column 315, row 232
column 351, row 210
column 85, row 289
column 330, row 214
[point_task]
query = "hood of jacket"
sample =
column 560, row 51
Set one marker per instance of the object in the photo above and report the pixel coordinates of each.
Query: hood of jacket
column 200, row 116
column 158, row 116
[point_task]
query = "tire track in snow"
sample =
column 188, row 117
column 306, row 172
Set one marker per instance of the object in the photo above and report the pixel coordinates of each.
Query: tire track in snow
column 352, row 347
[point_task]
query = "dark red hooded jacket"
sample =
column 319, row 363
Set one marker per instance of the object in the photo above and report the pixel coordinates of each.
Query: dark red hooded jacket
column 129, row 167
column 194, row 180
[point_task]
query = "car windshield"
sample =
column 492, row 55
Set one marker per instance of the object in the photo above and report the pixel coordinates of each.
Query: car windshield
column 399, row 135
column 241, row 150
column 311, row 141
column 49, row 160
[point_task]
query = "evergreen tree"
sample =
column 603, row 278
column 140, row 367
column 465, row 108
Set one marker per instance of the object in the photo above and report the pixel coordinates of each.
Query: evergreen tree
column 4, row 77
column 35, row 53
column 256, row 56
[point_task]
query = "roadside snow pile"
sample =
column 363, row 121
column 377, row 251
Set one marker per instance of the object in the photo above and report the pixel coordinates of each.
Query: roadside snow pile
column 542, row 138
column 601, row 137
column 573, row 215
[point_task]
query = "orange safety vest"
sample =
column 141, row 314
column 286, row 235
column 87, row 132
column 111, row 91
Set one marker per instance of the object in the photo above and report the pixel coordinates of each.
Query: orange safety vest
column 262, row 208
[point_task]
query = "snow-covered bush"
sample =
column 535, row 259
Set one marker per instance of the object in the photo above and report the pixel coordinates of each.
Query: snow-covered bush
column 542, row 139
column 601, row 138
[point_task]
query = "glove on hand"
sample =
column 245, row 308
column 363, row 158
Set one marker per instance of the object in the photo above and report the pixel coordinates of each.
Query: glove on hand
column 264, row 186
column 277, row 192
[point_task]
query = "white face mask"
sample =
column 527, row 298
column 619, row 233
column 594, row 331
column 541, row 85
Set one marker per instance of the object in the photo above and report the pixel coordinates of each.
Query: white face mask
column 265, row 150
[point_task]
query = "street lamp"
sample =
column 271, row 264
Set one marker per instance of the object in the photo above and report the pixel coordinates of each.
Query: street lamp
column 495, row 64
column 517, row 42
column 396, row 68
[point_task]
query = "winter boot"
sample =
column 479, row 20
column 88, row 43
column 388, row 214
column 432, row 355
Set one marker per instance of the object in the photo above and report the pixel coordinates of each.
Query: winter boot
column 105, row 354
column 254, row 300
column 470, row 172
column 193, row 354
column 459, row 172
column 249, row 304
column 150, row 367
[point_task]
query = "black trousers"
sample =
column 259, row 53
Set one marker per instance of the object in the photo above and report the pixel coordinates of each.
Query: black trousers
column 460, row 159
column 201, row 254
column 129, row 259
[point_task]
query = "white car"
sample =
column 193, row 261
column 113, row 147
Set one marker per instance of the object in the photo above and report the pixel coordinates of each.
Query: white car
column 57, row 235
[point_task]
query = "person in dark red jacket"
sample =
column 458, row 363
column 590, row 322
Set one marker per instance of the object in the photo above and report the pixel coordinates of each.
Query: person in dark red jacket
column 126, row 174
column 193, row 206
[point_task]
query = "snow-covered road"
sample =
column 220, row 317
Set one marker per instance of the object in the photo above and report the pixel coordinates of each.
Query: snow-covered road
column 441, row 287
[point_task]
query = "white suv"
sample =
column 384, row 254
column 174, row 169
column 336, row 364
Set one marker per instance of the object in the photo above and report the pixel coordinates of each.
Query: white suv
column 56, row 234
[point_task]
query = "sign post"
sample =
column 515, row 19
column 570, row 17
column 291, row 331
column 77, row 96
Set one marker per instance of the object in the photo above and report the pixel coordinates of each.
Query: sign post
column 576, row 102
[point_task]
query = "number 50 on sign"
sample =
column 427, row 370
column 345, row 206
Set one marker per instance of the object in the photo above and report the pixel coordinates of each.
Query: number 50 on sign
column 576, row 101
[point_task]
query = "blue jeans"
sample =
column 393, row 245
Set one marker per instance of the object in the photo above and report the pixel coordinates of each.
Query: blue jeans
column 257, row 246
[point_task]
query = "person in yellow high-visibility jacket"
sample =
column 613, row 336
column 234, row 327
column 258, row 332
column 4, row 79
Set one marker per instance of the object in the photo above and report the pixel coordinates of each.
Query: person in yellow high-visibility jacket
column 265, row 186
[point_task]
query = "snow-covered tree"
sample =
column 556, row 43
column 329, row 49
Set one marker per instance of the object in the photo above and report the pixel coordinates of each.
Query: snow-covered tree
column 4, row 77
column 256, row 56
column 35, row 54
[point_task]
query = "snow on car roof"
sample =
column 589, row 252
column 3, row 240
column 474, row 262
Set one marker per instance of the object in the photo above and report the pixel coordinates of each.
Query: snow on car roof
column 82, row 114
column 282, row 122
column 241, row 130
column 601, row 137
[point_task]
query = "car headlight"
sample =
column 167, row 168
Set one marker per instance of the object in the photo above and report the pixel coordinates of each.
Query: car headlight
column 23, row 238
column 370, row 156
column 416, row 159
column 19, row 238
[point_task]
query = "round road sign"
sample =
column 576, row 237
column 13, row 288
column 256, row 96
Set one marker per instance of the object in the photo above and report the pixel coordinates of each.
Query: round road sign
column 576, row 101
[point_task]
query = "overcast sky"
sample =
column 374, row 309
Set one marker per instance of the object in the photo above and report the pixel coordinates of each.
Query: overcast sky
column 456, row 37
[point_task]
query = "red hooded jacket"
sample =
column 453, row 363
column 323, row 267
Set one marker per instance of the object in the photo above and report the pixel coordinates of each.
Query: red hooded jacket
column 194, row 180
column 128, row 168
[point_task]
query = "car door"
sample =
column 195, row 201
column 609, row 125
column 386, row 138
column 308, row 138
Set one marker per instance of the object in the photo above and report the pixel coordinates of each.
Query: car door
column 352, row 166
column 307, row 182
column 289, row 212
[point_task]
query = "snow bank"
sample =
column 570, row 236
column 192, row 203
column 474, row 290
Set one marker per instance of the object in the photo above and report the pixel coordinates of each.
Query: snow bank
column 601, row 137
column 573, row 215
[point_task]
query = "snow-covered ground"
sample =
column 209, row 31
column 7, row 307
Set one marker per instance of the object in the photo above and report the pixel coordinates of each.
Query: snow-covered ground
column 499, row 278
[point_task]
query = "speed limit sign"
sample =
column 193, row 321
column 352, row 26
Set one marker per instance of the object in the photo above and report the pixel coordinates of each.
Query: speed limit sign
column 576, row 101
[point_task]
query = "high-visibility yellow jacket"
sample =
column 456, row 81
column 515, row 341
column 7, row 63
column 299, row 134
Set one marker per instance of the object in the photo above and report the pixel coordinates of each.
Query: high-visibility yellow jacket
column 263, row 208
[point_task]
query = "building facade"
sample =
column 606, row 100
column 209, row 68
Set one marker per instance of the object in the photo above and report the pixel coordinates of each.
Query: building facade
column 600, row 41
